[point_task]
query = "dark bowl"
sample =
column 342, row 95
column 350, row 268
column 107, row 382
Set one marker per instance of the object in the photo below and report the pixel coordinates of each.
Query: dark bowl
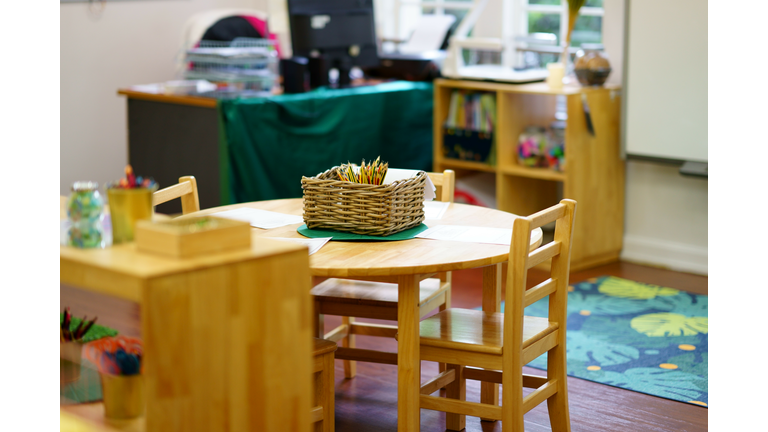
column 592, row 77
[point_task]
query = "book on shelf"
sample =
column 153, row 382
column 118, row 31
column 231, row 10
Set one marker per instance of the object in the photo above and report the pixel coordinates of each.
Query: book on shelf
column 471, row 111
column 469, row 127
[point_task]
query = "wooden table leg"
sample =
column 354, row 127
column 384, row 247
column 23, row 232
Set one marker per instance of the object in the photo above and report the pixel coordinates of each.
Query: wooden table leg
column 408, row 363
column 489, row 392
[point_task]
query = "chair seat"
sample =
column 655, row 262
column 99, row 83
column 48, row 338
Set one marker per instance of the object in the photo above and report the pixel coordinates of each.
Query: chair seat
column 473, row 330
column 323, row 346
column 369, row 293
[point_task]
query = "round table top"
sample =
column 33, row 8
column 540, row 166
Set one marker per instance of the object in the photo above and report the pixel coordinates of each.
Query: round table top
column 393, row 258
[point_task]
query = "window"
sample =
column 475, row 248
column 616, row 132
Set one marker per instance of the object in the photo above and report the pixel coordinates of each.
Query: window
column 398, row 18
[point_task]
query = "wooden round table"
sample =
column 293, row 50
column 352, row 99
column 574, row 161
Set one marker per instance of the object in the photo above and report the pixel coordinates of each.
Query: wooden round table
column 406, row 263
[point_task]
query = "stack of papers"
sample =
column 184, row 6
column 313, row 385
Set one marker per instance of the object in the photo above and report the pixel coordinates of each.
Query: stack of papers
column 314, row 244
column 468, row 234
column 260, row 218
column 435, row 209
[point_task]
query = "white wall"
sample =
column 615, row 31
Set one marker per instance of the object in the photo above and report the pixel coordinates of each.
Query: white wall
column 666, row 218
column 129, row 42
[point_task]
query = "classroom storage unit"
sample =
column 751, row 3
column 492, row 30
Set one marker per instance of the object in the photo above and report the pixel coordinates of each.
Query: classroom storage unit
column 227, row 336
column 593, row 173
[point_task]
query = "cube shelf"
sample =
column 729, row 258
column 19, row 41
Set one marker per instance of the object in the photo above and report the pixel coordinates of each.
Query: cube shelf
column 594, row 171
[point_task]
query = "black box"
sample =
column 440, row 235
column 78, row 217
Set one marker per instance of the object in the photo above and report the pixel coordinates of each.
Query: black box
column 469, row 145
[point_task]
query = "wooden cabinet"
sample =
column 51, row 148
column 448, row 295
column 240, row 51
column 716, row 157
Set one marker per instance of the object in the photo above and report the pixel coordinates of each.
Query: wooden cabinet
column 227, row 336
column 593, row 174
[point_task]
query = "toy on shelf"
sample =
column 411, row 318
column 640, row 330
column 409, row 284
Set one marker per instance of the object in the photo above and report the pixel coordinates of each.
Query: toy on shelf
column 540, row 147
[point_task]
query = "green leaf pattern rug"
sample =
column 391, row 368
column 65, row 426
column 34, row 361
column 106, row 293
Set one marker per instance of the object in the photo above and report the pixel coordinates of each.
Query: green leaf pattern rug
column 636, row 336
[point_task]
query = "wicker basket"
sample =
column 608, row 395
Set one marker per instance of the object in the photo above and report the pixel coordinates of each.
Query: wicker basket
column 378, row 210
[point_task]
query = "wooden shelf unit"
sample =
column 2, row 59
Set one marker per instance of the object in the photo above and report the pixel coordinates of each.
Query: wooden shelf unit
column 227, row 336
column 593, row 173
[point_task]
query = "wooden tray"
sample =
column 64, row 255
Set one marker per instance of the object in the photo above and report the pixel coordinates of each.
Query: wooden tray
column 192, row 236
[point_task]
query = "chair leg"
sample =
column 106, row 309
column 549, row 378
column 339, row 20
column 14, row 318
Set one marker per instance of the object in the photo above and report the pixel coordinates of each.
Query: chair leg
column 318, row 323
column 456, row 390
column 441, row 367
column 557, row 404
column 447, row 303
column 512, row 400
column 328, row 397
column 317, row 398
column 350, row 366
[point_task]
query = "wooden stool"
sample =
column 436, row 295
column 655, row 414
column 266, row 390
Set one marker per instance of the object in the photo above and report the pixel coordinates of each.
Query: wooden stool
column 322, row 413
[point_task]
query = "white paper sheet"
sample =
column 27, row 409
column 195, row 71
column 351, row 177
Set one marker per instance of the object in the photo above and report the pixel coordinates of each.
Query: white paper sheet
column 468, row 234
column 314, row 244
column 395, row 174
column 260, row 218
column 435, row 209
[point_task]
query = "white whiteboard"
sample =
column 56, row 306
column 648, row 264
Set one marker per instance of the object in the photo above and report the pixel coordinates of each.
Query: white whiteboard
column 665, row 78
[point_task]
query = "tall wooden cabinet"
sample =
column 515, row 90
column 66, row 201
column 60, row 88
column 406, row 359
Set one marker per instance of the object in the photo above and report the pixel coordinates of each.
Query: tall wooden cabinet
column 227, row 336
column 593, row 174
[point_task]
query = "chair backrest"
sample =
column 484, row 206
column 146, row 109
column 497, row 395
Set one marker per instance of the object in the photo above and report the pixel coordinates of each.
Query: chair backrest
column 445, row 184
column 521, row 260
column 186, row 189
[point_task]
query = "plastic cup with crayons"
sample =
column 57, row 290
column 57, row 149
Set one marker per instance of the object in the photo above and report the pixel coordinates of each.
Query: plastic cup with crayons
column 130, row 200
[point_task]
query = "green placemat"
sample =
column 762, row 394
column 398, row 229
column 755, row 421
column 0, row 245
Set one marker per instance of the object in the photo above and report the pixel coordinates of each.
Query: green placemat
column 94, row 333
column 345, row 236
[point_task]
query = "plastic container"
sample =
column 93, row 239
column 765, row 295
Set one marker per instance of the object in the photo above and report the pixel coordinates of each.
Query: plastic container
column 591, row 65
column 84, row 211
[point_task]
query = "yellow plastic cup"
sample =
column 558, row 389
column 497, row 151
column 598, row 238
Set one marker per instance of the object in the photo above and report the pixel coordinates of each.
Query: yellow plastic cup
column 126, row 206
column 124, row 396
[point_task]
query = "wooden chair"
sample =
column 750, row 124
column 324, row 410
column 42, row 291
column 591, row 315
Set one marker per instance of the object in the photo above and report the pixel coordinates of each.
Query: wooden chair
column 186, row 189
column 376, row 300
column 468, row 340
column 322, row 415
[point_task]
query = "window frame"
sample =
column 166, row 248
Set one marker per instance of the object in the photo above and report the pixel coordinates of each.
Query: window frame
column 520, row 10
column 523, row 8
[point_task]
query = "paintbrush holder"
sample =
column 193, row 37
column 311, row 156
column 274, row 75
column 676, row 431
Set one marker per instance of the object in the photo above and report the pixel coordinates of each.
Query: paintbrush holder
column 124, row 396
column 70, row 361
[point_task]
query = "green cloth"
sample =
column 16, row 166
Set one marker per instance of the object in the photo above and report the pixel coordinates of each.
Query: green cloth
column 268, row 144
column 341, row 235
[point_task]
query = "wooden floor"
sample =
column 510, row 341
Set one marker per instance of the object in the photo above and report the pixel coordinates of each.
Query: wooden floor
column 369, row 401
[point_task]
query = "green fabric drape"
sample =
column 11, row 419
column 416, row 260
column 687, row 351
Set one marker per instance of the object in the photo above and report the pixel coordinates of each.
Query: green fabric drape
column 268, row 144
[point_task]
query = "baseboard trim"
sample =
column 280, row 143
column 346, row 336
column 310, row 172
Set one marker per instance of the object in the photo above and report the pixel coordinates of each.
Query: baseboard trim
column 660, row 253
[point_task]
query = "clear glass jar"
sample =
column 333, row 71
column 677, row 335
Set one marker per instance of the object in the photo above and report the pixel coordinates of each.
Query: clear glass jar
column 591, row 65
column 85, row 207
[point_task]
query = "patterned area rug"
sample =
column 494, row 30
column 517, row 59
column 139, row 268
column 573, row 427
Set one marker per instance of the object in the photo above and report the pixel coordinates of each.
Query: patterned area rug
column 636, row 336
